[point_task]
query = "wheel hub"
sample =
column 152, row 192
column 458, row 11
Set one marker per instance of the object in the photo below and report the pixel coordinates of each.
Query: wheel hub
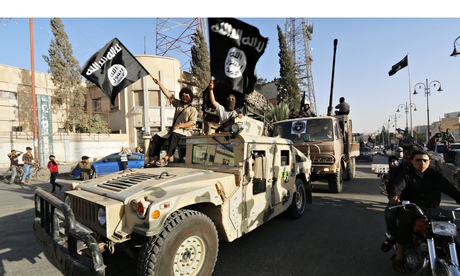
column 189, row 256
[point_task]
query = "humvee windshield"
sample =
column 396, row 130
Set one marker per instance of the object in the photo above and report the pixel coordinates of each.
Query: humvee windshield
column 221, row 154
column 304, row 130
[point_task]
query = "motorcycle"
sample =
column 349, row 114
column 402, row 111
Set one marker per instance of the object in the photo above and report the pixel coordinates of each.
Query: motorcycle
column 433, row 250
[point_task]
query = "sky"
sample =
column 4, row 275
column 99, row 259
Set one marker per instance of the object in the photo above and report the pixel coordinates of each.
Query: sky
column 368, row 46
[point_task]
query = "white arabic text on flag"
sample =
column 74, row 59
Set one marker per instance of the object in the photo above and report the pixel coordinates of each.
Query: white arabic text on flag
column 113, row 68
column 235, row 48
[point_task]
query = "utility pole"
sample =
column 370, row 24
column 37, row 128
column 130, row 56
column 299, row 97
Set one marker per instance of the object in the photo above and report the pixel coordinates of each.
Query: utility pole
column 32, row 83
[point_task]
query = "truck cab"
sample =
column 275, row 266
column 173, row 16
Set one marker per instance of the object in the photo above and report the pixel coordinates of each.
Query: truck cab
column 328, row 141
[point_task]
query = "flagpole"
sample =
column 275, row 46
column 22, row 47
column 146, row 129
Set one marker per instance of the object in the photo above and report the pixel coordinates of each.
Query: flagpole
column 410, row 95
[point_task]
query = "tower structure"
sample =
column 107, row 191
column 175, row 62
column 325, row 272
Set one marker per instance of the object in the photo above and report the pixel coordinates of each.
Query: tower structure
column 174, row 38
column 298, row 33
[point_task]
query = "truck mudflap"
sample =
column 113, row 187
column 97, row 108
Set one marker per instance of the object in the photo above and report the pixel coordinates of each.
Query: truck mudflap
column 68, row 243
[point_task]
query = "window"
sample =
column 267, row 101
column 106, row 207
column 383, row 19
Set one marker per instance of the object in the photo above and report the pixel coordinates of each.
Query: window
column 213, row 155
column 304, row 130
column 284, row 158
column 97, row 105
column 8, row 95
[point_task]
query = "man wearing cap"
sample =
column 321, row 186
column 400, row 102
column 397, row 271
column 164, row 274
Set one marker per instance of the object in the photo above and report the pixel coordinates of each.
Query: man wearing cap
column 224, row 113
column 306, row 110
column 14, row 160
column 86, row 168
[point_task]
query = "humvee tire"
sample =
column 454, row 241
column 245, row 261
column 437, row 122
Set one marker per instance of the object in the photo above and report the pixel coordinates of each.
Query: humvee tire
column 188, row 245
column 297, row 207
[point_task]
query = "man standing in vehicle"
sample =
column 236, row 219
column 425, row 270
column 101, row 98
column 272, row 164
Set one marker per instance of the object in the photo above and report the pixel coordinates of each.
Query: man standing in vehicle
column 306, row 110
column 224, row 113
column 343, row 107
column 448, row 136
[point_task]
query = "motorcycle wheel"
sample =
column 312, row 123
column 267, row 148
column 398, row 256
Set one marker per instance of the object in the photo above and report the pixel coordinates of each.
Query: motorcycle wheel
column 447, row 268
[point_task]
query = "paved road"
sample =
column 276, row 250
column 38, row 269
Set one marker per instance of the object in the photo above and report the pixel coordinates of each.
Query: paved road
column 19, row 253
column 340, row 234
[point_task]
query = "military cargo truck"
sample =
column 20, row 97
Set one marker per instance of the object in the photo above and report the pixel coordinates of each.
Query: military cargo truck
column 170, row 219
column 328, row 141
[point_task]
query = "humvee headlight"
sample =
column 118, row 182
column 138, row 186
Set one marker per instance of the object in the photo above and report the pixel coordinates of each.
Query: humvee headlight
column 101, row 216
column 140, row 206
column 236, row 128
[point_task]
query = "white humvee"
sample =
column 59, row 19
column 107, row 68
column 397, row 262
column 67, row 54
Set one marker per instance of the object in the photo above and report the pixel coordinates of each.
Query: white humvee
column 171, row 218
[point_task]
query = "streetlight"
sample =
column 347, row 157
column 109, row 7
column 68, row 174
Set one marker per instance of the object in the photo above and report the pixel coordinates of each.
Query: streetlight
column 455, row 52
column 426, row 87
column 406, row 110
column 388, row 129
column 395, row 117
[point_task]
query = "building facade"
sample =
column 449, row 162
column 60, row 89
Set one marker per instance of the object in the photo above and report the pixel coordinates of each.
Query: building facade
column 129, row 125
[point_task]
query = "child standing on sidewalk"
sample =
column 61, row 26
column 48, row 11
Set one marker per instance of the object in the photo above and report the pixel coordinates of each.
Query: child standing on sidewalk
column 53, row 166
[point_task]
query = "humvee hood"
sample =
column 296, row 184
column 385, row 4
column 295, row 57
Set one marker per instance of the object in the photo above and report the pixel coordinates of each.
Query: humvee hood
column 156, row 181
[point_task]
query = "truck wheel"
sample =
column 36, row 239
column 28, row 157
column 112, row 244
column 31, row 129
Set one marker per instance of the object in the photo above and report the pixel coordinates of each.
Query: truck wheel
column 297, row 207
column 351, row 169
column 335, row 181
column 188, row 245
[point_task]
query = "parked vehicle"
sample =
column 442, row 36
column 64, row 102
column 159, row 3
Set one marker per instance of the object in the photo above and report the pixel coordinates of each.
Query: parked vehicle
column 171, row 218
column 111, row 163
column 433, row 250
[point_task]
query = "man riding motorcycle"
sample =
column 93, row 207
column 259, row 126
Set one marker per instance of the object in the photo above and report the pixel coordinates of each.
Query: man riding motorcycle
column 421, row 185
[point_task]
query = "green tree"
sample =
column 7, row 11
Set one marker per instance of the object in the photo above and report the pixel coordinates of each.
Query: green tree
column 94, row 124
column 200, row 65
column 69, row 95
column 277, row 112
column 288, row 89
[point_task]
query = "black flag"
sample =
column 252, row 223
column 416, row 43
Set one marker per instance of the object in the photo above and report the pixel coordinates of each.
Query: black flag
column 398, row 66
column 113, row 68
column 235, row 48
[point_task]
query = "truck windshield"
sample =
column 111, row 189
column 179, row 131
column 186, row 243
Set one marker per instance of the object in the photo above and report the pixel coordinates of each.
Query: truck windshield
column 304, row 130
column 213, row 154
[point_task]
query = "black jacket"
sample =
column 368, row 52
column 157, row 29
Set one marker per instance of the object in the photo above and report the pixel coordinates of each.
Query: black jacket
column 426, row 191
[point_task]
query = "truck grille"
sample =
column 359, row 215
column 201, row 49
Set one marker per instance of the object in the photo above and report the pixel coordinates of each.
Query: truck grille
column 84, row 211
column 126, row 181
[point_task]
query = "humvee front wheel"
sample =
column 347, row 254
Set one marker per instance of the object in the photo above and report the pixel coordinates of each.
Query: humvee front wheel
column 297, row 207
column 188, row 245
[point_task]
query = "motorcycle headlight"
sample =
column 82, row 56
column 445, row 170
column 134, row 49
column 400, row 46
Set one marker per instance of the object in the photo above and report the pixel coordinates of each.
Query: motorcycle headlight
column 101, row 216
column 444, row 228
